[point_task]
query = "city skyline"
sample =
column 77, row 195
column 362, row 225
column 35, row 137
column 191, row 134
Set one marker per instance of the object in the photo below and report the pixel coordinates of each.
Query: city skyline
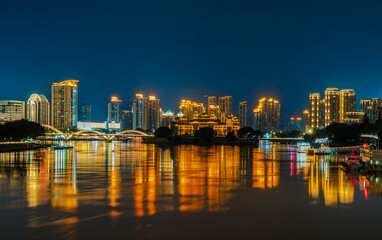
column 247, row 50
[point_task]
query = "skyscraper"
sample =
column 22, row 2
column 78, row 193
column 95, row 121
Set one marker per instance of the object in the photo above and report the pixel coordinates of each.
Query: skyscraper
column 243, row 113
column 114, row 109
column 153, row 113
column 140, row 112
column 167, row 119
column 315, row 106
column 225, row 104
column 347, row 103
column 65, row 104
column 84, row 113
column 38, row 109
column 332, row 106
column 306, row 120
column 11, row 110
column 372, row 108
column 267, row 116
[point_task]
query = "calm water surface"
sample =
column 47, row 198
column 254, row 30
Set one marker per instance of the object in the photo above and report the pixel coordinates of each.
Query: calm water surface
column 131, row 190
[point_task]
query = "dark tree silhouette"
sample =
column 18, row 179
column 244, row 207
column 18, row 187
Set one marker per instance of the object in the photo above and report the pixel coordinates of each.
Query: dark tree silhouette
column 162, row 132
column 20, row 129
column 245, row 132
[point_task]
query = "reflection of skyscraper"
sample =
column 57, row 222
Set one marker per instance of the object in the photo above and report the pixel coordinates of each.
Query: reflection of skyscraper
column 243, row 113
column 65, row 104
column 38, row 109
column 114, row 108
column 266, row 117
column 140, row 112
column 225, row 104
column 84, row 113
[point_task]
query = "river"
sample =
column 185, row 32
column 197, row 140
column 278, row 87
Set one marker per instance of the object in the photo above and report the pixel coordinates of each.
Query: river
column 132, row 190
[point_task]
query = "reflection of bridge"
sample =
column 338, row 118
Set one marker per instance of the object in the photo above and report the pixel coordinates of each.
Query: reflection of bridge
column 283, row 140
column 108, row 137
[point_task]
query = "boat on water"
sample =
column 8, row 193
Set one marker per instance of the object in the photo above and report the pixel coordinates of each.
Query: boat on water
column 353, row 161
column 303, row 147
column 372, row 159
column 59, row 147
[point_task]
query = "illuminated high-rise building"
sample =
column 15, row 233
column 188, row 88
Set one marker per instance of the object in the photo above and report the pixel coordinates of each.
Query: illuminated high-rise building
column 315, row 113
column 191, row 109
column 11, row 110
column 225, row 104
column 347, row 103
column 266, row 117
column 84, row 113
column 153, row 113
column 114, row 110
column 214, row 110
column 332, row 106
column 306, row 120
column 38, row 109
column 65, row 105
column 243, row 113
column 140, row 112
column 372, row 108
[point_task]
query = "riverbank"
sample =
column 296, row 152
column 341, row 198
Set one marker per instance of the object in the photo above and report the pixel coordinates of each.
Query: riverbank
column 21, row 146
column 190, row 140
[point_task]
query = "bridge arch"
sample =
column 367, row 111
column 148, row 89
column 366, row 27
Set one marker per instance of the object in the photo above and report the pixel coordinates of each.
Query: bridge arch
column 53, row 129
column 88, row 131
column 130, row 131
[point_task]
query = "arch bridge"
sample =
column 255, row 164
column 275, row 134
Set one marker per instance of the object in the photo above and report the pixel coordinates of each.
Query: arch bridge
column 108, row 137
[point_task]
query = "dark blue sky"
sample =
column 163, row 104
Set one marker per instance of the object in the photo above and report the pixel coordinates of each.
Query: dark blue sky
column 175, row 49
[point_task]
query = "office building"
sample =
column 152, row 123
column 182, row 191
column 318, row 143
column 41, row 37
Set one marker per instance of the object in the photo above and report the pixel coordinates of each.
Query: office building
column 243, row 113
column 140, row 112
column 84, row 113
column 38, row 109
column 65, row 105
column 266, row 117
column 114, row 109
column 225, row 104
column 11, row 110
column 347, row 103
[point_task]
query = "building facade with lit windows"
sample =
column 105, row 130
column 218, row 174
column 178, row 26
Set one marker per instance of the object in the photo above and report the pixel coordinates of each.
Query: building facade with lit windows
column 190, row 109
column 84, row 113
column 315, row 113
column 114, row 110
column 140, row 112
column 347, row 103
column 372, row 108
column 153, row 113
column 266, row 117
column 11, row 110
column 126, row 120
column 243, row 113
column 332, row 106
column 183, row 127
column 65, row 105
column 225, row 104
column 38, row 109
column 306, row 120
column 354, row 117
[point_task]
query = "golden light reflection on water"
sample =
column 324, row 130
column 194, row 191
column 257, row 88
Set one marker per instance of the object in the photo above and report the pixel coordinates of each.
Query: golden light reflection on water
column 141, row 180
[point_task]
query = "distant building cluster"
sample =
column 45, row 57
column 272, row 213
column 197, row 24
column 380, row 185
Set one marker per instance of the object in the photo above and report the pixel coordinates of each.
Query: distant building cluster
column 339, row 106
column 144, row 113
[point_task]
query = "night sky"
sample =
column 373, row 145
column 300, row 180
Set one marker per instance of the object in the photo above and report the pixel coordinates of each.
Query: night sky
column 188, row 49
